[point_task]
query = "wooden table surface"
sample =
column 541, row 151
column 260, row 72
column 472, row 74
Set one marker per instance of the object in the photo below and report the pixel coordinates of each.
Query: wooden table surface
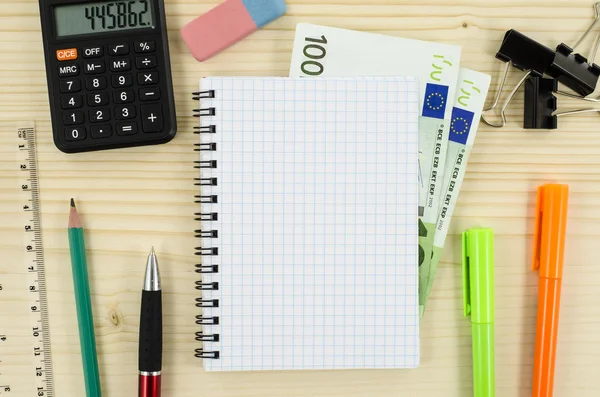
column 135, row 198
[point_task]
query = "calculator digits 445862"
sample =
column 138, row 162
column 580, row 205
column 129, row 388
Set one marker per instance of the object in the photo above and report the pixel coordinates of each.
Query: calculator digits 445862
column 109, row 73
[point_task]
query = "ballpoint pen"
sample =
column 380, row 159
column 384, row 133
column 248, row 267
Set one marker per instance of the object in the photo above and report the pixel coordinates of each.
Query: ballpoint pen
column 478, row 296
column 150, row 345
column 548, row 256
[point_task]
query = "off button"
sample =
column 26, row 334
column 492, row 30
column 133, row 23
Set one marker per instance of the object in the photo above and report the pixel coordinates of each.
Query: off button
column 93, row 52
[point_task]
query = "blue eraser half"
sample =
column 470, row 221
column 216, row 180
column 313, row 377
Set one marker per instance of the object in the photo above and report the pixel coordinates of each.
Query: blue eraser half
column 264, row 11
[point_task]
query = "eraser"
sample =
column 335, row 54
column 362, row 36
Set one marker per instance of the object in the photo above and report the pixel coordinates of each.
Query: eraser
column 228, row 23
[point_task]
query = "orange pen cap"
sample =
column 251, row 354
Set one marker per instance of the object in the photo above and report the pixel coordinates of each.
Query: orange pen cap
column 550, row 230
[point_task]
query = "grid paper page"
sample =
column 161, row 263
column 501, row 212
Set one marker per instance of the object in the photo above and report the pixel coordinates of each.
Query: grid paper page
column 317, row 223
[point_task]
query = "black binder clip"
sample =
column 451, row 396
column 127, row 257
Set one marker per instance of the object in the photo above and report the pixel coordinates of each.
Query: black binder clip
column 526, row 54
column 541, row 104
column 574, row 70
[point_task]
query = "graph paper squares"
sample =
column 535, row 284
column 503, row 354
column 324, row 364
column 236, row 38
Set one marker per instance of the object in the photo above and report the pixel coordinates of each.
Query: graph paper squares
column 317, row 202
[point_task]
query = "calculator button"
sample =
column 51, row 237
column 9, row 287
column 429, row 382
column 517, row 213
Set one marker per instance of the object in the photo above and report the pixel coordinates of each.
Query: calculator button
column 68, row 54
column 101, row 131
column 147, row 62
column 144, row 46
column 121, row 64
column 124, row 96
column 75, row 133
column 125, row 112
column 147, row 78
column 94, row 67
column 118, row 49
column 99, row 99
column 99, row 115
column 93, row 52
column 95, row 83
column 152, row 120
column 129, row 128
column 73, row 118
column 149, row 94
column 68, row 69
column 73, row 85
column 122, row 80
column 71, row 101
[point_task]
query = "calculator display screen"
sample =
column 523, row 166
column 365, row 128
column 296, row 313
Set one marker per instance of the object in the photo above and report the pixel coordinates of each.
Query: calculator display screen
column 103, row 16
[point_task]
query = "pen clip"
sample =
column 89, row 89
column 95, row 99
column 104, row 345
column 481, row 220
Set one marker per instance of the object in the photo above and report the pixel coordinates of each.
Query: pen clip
column 537, row 233
column 466, row 276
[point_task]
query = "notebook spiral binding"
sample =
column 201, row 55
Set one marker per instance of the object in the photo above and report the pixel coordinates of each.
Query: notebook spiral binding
column 205, row 235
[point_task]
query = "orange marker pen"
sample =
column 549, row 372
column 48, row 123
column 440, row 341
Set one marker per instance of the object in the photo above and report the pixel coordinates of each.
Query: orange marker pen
column 548, row 256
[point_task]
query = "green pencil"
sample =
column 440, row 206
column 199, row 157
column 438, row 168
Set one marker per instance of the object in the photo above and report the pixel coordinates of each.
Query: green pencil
column 83, row 302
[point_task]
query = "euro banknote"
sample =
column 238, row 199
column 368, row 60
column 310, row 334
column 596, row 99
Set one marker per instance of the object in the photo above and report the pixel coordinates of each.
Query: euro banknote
column 466, row 113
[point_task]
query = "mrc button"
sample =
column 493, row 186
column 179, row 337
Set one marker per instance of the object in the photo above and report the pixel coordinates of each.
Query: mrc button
column 68, row 69
column 67, row 54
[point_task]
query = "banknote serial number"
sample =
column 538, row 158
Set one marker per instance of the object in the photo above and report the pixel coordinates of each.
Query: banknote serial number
column 436, row 164
column 315, row 51
column 452, row 185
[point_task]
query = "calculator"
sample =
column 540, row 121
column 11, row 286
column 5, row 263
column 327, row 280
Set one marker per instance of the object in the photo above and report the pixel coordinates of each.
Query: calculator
column 109, row 73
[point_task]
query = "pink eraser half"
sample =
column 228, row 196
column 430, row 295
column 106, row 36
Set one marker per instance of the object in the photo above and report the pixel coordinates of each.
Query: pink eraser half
column 228, row 23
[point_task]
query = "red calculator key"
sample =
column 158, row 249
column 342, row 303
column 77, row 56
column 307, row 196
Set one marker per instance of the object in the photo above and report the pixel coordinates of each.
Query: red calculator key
column 68, row 54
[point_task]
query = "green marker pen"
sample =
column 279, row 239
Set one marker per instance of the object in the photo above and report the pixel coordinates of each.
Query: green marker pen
column 478, row 296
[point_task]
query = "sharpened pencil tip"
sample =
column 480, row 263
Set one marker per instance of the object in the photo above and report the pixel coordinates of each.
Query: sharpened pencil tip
column 152, row 251
column 74, row 221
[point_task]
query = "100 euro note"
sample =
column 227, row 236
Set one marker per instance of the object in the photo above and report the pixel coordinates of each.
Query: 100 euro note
column 321, row 51
column 466, row 113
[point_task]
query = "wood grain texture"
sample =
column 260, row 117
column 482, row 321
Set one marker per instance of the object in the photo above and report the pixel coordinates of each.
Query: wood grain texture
column 134, row 198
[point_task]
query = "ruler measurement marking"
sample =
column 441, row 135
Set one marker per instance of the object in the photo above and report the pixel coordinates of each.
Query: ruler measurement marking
column 35, row 265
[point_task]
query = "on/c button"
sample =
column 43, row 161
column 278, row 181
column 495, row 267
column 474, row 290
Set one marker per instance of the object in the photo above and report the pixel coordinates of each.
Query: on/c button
column 67, row 54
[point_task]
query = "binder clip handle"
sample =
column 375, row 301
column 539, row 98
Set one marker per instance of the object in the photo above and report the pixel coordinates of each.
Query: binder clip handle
column 589, row 30
column 507, row 101
column 577, row 111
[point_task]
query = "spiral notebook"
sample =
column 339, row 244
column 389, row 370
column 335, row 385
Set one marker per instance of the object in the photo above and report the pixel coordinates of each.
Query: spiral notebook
column 308, row 206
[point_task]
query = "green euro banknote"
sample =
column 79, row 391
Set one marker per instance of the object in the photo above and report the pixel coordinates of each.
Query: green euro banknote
column 466, row 113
